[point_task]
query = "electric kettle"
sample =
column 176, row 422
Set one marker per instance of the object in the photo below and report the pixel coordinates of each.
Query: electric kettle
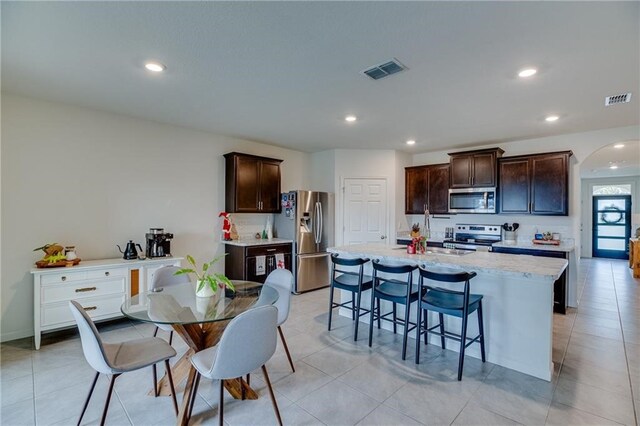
column 130, row 251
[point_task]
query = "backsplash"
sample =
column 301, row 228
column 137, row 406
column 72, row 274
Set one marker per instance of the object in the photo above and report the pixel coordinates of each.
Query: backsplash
column 247, row 224
column 529, row 226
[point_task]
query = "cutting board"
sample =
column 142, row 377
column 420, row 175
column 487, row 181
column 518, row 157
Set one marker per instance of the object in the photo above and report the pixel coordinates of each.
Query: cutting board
column 547, row 242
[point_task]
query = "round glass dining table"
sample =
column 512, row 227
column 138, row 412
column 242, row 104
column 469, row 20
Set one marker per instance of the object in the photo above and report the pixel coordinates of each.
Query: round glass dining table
column 200, row 321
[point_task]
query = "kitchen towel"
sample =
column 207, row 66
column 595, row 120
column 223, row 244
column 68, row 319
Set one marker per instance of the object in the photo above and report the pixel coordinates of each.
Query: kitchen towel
column 260, row 265
column 280, row 261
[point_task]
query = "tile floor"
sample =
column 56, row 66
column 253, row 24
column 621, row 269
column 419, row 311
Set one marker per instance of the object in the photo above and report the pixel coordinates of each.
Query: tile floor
column 339, row 382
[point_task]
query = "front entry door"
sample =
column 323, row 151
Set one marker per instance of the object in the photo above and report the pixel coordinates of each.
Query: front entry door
column 611, row 226
column 365, row 211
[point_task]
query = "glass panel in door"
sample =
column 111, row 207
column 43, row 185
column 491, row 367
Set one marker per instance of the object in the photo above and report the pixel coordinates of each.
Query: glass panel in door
column 611, row 226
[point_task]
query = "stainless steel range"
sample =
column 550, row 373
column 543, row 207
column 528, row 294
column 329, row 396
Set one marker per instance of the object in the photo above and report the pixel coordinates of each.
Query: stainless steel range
column 470, row 236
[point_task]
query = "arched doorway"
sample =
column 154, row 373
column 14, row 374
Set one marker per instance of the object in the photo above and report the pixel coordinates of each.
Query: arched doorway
column 610, row 199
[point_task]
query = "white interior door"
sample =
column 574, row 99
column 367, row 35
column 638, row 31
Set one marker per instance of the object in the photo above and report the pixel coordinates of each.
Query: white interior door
column 365, row 211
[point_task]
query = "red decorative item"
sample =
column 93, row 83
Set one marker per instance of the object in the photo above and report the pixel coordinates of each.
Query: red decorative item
column 411, row 249
column 226, row 226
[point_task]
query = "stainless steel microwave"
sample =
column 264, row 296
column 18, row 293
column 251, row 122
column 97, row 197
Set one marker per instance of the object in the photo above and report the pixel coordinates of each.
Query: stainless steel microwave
column 472, row 200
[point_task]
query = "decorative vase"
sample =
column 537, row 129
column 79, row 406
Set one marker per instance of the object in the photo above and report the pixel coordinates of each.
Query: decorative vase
column 205, row 291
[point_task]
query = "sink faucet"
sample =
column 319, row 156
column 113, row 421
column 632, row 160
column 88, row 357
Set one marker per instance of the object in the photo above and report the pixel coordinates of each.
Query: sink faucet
column 427, row 228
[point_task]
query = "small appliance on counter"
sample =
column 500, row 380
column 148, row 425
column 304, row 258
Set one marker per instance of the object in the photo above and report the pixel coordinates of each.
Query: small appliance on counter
column 510, row 234
column 158, row 243
column 130, row 252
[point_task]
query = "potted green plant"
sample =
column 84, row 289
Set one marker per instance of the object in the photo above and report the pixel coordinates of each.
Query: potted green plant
column 208, row 282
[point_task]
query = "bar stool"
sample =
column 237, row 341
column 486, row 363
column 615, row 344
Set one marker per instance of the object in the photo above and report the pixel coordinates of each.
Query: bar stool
column 448, row 302
column 396, row 291
column 349, row 280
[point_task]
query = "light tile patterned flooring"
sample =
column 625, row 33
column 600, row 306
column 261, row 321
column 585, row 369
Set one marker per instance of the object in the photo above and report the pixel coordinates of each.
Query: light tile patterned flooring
column 339, row 382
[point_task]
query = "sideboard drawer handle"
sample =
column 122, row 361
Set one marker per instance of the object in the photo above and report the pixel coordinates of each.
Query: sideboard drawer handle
column 271, row 249
column 107, row 273
column 64, row 278
column 80, row 290
column 90, row 308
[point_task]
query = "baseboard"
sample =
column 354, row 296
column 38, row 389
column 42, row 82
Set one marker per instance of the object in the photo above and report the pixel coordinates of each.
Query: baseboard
column 15, row 335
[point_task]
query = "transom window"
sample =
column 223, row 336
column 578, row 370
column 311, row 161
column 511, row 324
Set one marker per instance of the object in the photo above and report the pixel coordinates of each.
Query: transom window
column 611, row 189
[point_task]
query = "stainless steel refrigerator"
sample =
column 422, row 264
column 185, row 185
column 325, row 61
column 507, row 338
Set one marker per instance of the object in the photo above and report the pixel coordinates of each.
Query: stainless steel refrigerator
column 307, row 218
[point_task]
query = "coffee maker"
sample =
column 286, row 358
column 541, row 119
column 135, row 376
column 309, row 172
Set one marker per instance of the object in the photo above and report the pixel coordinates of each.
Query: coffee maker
column 158, row 243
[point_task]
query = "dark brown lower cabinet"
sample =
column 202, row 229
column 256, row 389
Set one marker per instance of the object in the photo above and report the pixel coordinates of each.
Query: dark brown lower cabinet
column 559, row 287
column 240, row 262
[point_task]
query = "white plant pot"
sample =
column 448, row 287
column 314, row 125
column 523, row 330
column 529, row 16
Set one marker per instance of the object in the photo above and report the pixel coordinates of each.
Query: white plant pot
column 206, row 290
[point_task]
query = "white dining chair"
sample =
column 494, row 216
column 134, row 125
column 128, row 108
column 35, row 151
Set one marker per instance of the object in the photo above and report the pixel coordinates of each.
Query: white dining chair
column 165, row 277
column 116, row 358
column 282, row 281
column 247, row 343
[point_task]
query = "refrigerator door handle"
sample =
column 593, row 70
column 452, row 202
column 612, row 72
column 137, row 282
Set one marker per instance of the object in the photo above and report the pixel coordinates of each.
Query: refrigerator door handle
column 316, row 224
column 320, row 230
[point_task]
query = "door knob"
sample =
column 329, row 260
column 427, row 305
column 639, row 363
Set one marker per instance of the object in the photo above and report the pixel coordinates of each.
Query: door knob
column 382, row 237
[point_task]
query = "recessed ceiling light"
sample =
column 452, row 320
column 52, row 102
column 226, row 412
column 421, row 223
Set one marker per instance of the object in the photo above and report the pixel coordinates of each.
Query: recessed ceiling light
column 411, row 142
column 619, row 145
column 155, row 66
column 613, row 167
column 527, row 72
column 350, row 118
column 551, row 118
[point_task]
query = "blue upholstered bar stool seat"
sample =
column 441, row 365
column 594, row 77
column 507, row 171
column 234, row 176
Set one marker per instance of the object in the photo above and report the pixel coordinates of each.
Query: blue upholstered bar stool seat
column 393, row 283
column 448, row 302
column 345, row 277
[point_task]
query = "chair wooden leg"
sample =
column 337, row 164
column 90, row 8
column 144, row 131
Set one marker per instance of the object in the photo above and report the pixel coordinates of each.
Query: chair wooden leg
column 442, row 339
column 330, row 307
column 481, row 329
column 394, row 318
column 106, row 404
column 167, row 367
column 418, row 328
column 286, row 349
column 463, row 344
column 194, row 395
column 221, row 405
column 355, row 334
column 86, row 403
column 273, row 397
column 170, row 336
column 405, row 331
column 155, row 332
column 155, row 380
column 249, row 379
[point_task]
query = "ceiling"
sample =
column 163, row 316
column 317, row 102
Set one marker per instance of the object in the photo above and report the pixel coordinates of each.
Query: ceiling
column 627, row 158
column 287, row 73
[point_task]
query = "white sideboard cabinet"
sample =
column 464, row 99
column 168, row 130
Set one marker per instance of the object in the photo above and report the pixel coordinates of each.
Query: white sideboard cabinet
column 100, row 286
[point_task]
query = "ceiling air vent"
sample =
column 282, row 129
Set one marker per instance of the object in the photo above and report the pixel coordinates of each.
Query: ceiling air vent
column 617, row 99
column 377, row 72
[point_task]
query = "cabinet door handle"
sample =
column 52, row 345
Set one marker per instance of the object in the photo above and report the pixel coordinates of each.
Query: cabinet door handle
column 81, row 290
column 271, row 249
column 106, row 273
column 90, row 308
column 63, row 278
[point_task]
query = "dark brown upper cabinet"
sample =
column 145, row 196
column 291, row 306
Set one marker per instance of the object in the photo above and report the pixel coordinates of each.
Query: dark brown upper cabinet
column 474, row 169
column 427, row 187
column 252, row 184
column 535, row 184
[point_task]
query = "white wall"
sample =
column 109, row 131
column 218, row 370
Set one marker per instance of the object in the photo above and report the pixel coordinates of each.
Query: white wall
column 93, row 180
column 582, row 145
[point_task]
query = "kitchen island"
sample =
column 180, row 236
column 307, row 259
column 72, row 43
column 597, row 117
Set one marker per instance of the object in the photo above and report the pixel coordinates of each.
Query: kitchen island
column 517, row 304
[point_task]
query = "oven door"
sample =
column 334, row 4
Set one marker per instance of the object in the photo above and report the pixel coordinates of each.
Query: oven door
column 472, row 200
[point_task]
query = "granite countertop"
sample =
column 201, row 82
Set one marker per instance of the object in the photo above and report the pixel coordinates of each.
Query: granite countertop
column 256, row 242
column 564, row 246
column 521, row 266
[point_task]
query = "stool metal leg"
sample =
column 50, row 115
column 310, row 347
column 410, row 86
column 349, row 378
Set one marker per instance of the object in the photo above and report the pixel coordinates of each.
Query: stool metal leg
column 86, row 403
column 378, row 307
column 355, row 335
column 405, row 332
column 425, row 313
column 371, row 313
column 353, row 306
column 394, row 318
column 418, row 329
column 106, row 404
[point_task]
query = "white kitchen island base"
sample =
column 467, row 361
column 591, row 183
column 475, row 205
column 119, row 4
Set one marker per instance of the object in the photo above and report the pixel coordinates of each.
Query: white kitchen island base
column 517, row 304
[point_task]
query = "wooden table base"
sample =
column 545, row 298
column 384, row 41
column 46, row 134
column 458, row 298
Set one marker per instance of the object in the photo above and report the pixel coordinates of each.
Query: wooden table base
column 199, row 337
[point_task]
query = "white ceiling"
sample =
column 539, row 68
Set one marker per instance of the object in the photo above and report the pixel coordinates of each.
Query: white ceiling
column 627, row 158
column 286, row 73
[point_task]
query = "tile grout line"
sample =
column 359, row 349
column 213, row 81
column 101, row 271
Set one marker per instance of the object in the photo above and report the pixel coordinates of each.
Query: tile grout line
column 624, row 344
